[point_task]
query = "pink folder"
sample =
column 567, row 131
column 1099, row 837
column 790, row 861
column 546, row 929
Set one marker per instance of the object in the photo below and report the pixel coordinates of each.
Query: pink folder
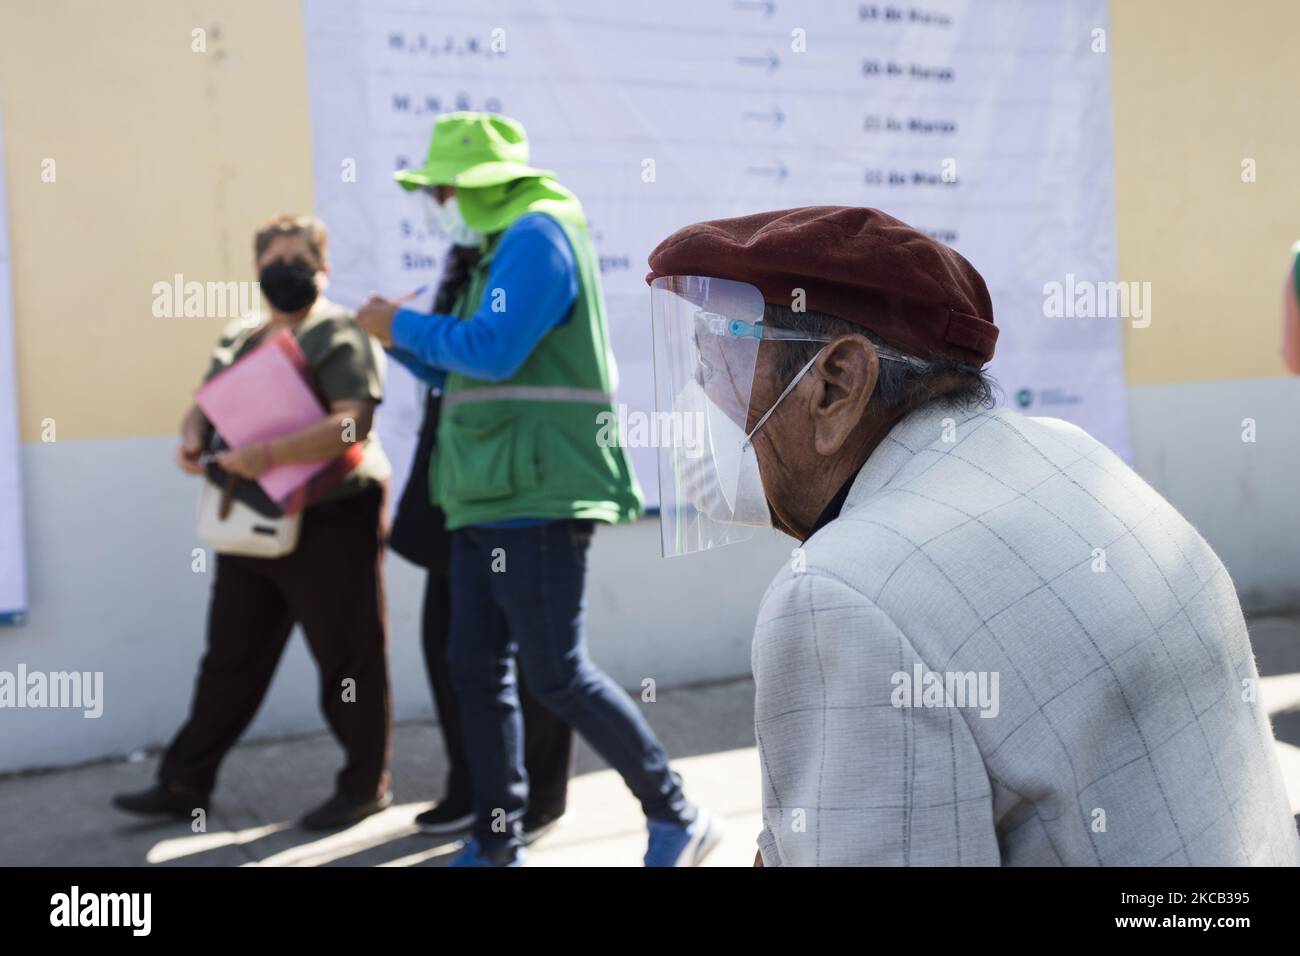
column 261, row 397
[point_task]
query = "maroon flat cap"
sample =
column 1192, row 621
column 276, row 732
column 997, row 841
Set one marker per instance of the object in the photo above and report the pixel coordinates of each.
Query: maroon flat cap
column 857, row 264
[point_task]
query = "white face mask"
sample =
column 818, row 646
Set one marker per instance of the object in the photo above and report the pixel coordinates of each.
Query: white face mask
column 723, row 481
column 446, row 220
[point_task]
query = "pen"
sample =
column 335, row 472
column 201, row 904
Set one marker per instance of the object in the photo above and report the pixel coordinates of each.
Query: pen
column 411, row 295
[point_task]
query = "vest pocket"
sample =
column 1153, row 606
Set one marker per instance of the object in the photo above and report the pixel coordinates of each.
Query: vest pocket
column 484, row 457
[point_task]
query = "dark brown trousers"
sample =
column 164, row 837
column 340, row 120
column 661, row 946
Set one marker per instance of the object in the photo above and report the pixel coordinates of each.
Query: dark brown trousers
column 332, row 584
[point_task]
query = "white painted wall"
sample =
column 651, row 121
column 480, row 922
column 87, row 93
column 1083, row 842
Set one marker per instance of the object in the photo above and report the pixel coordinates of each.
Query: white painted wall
column 110, row 530
column 1244, row 498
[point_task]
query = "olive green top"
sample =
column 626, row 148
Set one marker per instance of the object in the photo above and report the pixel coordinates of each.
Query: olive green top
column 347, row 366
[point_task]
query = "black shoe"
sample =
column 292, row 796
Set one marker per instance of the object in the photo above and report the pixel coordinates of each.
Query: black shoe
column 537, row 825
column 447, row 818
column 160, row 800
column 340, row 811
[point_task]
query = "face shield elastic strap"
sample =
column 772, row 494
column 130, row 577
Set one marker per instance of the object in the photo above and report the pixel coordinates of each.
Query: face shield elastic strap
column 740, row 329
column 788, row 389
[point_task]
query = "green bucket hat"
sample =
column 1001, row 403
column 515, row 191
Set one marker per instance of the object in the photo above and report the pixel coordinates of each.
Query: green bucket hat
column 472, row 150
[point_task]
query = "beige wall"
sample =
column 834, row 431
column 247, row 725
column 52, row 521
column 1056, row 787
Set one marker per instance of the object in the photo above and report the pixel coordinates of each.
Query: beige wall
column 166, row 161
column 1199, row 86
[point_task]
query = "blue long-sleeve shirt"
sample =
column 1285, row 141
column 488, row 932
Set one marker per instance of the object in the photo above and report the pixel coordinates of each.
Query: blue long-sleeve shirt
column 532, row 285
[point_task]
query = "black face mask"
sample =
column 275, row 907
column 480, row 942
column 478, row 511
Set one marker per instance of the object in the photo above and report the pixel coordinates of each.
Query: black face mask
column 288, row 286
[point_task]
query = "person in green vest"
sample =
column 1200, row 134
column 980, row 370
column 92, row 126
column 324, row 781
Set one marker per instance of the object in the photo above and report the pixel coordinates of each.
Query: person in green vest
column 524, row 470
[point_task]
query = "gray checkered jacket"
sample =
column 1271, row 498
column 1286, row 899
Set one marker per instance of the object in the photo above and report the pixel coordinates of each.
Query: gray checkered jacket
column 1009, row 649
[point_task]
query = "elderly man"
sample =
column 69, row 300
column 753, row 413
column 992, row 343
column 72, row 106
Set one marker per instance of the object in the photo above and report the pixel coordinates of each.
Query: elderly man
column 996, row 644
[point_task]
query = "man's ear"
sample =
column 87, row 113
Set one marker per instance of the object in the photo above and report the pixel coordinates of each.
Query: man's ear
column 847, row 372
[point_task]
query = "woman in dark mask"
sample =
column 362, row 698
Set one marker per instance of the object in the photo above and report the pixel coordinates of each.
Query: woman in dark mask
column 331, row 583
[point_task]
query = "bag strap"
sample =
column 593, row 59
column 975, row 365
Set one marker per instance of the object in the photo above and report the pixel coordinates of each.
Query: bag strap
column 227, row 498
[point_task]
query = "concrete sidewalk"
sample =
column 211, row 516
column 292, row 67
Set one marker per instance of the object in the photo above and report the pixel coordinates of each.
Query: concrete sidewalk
column 64, row 818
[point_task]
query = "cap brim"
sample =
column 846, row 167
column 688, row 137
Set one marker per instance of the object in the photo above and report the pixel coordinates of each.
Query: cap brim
column 410, row 179
column 473, row 177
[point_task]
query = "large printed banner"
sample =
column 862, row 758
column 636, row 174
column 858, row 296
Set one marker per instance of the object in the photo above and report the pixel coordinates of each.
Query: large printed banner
column 13, row 561
column 985, row 123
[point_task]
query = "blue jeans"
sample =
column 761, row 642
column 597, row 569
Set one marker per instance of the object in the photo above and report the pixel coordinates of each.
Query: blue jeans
column 535, row 577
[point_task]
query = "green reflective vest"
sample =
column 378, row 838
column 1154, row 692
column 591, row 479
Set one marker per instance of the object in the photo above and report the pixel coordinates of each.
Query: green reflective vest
column 528, row 447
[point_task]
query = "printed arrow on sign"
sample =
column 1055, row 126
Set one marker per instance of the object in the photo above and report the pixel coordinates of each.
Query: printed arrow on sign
column 770, row 61
column 780, row 170
column 774, row 115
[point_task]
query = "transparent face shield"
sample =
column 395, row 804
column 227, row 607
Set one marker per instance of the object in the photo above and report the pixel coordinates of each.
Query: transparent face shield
column 703, row 379
column 707, row 337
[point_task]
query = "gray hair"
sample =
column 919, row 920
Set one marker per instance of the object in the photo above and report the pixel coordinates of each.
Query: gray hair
column 902, row 386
